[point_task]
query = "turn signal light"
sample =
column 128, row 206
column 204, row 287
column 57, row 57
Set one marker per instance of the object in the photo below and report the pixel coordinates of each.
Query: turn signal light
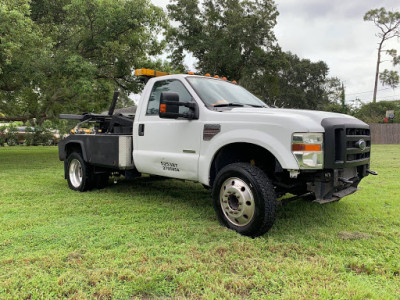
column 306, row 147
column 163, row 108
column 191, row 73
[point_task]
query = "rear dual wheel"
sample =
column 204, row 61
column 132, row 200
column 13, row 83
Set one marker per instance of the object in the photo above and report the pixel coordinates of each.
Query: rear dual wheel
column 80, row 175
column 244, row 199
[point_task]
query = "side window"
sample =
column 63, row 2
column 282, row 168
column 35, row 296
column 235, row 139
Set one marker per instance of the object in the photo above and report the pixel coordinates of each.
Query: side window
column 172, row 85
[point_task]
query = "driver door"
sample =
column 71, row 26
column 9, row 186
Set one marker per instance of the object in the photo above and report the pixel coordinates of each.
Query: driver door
column 167, row 147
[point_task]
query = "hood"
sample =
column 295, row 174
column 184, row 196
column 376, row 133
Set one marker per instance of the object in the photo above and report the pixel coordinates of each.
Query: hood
column 306, row 120
column 312, row 114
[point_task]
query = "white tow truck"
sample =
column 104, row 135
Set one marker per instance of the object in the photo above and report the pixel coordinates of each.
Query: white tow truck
column 215, row 132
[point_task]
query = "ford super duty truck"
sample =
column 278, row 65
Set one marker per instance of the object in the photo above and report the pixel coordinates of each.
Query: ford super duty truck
column 215, row 132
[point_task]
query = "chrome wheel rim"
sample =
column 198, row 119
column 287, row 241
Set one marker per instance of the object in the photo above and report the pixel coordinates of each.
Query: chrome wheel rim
column 75, row 173
column 237, row 201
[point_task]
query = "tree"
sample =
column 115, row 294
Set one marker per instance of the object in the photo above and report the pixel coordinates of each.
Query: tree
column 235, row 39
column 92, row 48
column 302, row 83
column 391, row 77
column 21, row 46
column 335, row 91
column 388, row 23
column 285, row 80
column 226, row 36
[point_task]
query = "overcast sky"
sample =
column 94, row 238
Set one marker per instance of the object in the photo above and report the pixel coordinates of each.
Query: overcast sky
column 334, row 31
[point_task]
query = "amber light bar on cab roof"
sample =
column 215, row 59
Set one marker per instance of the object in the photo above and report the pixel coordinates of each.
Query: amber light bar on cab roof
column 154, row 73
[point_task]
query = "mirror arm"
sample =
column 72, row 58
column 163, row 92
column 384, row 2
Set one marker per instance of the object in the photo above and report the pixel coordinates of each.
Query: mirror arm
column 185, row 104
column 172, row 115
column 193, row 114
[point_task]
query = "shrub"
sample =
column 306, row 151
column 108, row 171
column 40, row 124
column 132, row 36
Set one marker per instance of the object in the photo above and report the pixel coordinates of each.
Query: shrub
column 11, row 135
column 46, row 138
column 376, row 112
column 42, row 136
column 2, row 135
column 30, row 136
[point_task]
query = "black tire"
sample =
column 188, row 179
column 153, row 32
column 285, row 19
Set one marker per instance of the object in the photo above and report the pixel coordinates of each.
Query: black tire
column 244, row 199
column 79, row 174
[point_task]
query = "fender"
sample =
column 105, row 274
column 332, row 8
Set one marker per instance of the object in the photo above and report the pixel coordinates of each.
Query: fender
column 67, row 141
column 251, row 136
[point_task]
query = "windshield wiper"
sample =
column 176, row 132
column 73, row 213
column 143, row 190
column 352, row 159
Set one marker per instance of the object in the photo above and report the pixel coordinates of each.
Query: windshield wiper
column 238, row 105
column 228, row 104
column 255, row 105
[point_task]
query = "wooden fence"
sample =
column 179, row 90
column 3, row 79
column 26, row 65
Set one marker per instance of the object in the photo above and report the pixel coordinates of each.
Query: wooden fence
column 385, row 133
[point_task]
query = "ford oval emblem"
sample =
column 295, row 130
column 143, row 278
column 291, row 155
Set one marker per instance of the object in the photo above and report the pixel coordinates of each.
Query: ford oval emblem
column 362, row 144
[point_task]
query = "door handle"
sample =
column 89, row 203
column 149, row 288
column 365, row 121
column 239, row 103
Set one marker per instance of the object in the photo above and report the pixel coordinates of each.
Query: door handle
column 141, row 129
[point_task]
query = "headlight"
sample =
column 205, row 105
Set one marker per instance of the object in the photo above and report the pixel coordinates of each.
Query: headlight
column 308, row 150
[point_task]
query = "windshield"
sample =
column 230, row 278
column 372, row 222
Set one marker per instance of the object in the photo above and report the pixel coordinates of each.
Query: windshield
column 220, row 93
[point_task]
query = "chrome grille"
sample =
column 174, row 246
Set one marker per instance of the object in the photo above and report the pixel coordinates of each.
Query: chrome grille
column 358, row 146
column 342, row 143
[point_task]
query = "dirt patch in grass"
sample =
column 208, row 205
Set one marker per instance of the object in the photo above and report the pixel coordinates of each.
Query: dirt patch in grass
column 360, row 269
column 346, row 235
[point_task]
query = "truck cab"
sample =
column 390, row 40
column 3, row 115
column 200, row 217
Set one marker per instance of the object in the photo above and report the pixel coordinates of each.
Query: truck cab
column 215, row 132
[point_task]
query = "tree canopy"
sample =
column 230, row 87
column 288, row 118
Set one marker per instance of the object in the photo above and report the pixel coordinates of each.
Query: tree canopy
column 235, row 39
column 90, row 49
column 285, row 80
column 226, row 36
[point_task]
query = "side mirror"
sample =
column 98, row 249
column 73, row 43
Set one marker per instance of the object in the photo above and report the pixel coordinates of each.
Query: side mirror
column 169, row 107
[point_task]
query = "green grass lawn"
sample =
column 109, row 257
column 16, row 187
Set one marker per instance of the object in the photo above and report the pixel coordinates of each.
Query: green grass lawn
column 150, row 238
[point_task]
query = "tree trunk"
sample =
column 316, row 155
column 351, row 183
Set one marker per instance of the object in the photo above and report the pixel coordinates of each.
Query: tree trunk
column 378, row 63
column 377, row 70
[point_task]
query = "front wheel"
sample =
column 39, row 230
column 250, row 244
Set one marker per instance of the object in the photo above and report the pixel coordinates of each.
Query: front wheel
column 244, row 199
column 79, row 175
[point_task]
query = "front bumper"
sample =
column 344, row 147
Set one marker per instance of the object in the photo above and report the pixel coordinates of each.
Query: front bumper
column 333, row 185
column 347, row 146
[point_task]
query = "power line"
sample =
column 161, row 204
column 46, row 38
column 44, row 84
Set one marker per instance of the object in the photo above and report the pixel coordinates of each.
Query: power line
column 392, row 98
column 367, row 92
column 388, row 96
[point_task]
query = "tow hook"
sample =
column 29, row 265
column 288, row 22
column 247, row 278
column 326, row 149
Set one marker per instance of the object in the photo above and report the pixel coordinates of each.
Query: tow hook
column 372, row 172
column 344, row 180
